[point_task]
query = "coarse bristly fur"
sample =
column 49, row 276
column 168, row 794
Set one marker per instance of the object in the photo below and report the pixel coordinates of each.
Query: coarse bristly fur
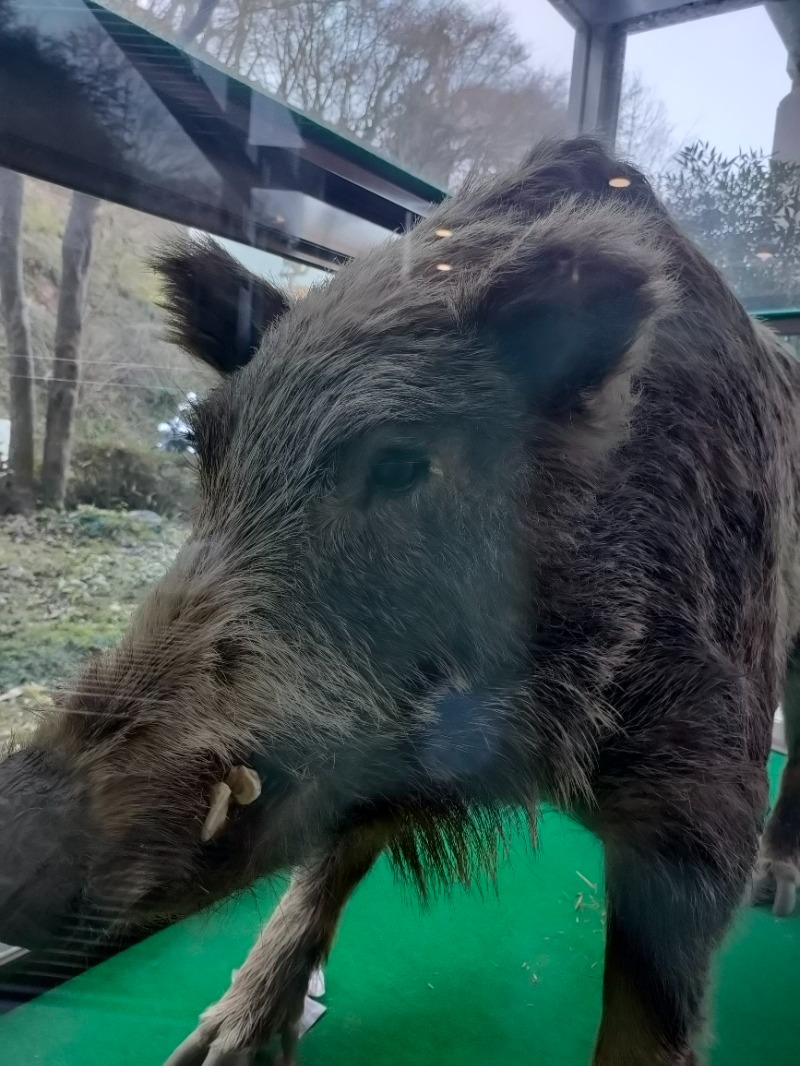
column 506, row 510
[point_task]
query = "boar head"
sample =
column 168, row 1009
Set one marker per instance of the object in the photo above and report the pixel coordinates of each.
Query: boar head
column 390, row 476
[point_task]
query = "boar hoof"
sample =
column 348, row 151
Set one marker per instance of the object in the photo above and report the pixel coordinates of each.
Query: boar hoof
column 202, row 1048
column 197, row 1050
column 775, row 881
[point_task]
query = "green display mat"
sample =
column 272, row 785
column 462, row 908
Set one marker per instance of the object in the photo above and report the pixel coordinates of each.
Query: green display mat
column 512, row 978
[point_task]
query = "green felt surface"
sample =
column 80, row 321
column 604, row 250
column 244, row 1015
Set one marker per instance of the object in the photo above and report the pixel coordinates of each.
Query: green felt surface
column 511, row 979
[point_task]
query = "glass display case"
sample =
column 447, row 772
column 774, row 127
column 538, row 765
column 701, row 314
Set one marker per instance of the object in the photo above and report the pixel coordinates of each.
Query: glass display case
column 298, row 135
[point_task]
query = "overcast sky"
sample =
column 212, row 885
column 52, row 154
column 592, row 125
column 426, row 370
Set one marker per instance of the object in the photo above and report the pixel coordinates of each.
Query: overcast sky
column 720, row 77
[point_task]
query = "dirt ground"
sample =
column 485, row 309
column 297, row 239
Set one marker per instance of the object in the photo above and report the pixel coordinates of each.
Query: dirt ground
column 68, row 584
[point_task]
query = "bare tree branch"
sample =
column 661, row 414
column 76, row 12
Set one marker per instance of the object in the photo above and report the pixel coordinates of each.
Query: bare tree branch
column 440, row 86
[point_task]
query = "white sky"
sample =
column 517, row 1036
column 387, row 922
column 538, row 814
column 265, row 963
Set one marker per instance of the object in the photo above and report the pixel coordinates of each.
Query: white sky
column 720, row 78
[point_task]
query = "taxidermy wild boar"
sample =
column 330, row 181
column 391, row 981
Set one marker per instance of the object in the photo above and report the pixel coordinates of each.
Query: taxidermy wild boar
column 467, row 539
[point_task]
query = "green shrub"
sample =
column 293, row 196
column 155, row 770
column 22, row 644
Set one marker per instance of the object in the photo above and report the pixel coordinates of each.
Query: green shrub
column 111, row 474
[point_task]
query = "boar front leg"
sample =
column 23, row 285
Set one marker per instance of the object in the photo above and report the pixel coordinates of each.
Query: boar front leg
column 778, row 872
column 266, row 998
column 669, row 907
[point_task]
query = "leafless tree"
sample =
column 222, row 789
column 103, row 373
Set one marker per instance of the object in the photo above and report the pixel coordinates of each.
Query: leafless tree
column 438, row 85
column 17, row 487
column 644, row 132
column 115, row 103
column 63, row 387
column 193, row 25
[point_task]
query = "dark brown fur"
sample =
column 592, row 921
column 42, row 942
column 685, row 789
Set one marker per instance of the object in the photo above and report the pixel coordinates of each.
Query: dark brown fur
column 588, row 595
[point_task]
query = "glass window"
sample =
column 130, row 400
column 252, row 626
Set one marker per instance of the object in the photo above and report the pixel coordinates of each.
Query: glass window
column 712, row 149
column 298, row 134
column 434, row 85
column 141, row 123
column 123, row 466
column 790, row 334
column 105, row 398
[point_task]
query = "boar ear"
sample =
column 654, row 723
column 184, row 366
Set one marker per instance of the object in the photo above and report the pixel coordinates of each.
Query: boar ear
column 564, row 314
column 217, row 310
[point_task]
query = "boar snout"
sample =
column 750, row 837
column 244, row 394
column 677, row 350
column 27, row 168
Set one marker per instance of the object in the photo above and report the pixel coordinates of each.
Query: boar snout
column 41, row 850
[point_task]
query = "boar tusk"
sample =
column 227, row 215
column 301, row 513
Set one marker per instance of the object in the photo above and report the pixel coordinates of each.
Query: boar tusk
column 217, row 813
column 245, row 784
column 242, row 786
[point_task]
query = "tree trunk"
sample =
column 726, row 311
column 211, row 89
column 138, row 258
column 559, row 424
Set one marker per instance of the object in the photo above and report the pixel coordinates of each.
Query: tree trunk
column 18, row 489
column 76, row 259
column 194, row 25
column 76, row 254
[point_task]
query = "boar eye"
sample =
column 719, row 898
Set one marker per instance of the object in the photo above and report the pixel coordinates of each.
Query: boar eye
column 398, row 471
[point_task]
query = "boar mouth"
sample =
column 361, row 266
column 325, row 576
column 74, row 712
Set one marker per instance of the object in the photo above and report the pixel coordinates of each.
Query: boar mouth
column 36, row 912
column 42, row 864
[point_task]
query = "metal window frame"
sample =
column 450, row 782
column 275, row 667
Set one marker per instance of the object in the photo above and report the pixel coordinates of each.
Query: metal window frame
column 602, row 28
column 334, row 195
column 785, row 322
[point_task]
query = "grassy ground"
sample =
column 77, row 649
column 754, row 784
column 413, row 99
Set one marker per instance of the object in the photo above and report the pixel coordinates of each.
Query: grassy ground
column 68, row 584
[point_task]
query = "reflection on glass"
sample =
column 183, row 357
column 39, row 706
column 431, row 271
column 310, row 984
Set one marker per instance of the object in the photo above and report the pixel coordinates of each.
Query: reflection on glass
column 70, row 579
column 713, row 154
column 436, row 86
column 140, row 122
column 296, row 278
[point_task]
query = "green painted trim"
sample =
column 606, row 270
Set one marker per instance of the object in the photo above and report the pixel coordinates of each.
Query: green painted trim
column 777, row 316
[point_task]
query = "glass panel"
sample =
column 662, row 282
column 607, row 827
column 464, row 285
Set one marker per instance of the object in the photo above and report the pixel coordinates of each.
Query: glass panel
column 791, row 340
column 136, row 139
column 71, row 579
column 297, row 278
column 433, row 85
column 711, row 148
column 139, row 122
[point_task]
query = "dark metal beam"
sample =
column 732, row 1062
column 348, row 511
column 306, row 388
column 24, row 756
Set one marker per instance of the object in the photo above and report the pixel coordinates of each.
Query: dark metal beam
column 596, row 84
column 638, row 15
column 787, row 322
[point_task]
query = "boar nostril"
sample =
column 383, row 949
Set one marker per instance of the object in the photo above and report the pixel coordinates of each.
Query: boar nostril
column 460, row 740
